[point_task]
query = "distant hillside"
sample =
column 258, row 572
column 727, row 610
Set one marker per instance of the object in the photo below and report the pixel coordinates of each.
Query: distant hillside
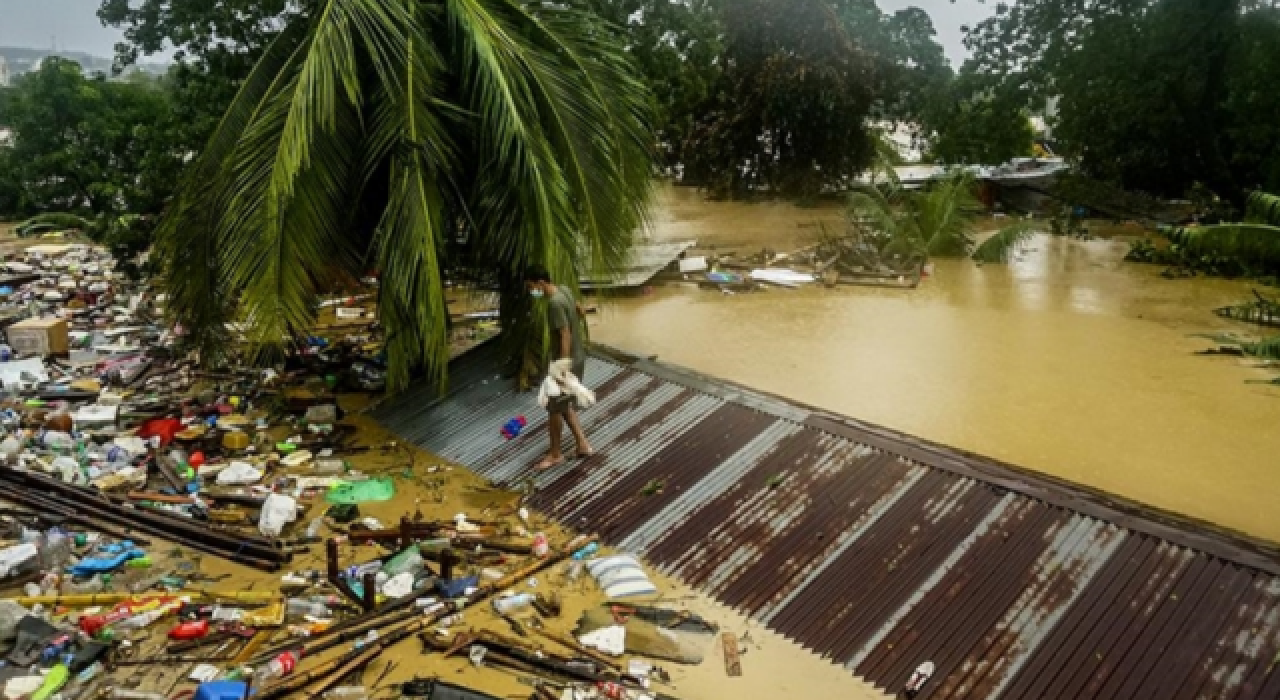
column 22, row 60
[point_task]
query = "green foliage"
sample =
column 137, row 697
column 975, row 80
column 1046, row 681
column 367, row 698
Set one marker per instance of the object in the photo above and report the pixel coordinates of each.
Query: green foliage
column 788, row 118
column 1155, row 95
column 401, row 138
column 1000, row 246
column 1264, row 349
column 678, row 48
column 1263, row 208
column 937, row 221
column 975, row 127
column 88, row 147
column 1255, row 246
column 215, row 45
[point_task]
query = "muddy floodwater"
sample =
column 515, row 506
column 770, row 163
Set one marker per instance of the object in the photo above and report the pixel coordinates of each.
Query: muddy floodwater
column 1067, row 361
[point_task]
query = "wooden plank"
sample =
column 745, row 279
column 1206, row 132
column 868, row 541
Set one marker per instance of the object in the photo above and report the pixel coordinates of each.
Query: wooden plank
column 732, row 659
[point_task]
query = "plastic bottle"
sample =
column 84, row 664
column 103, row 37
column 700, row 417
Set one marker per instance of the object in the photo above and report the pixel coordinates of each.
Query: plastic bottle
column 57, row 549
column 299, row 607
column 410, row 560
column 313, row 528
column 367, row 640
column 142, row 620
column 125, row 694
column 278, row 667
column 586, row 552
column 511, row 604
column 347, row 692
column 541, row 546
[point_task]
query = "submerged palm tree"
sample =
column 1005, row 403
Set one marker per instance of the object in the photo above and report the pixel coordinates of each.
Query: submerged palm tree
column 938, row 221
column 395, row 135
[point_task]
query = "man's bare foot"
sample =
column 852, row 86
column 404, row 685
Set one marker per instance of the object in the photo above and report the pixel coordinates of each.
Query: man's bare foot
column 586, row 454
column 548, row 463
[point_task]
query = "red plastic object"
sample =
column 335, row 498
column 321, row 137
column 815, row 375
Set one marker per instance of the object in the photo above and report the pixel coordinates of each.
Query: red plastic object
column 165, row 428
column 196, row 460
column 190, row 630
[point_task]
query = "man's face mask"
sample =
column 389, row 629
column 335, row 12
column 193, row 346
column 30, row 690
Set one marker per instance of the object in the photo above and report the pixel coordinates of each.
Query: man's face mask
column 536, row 293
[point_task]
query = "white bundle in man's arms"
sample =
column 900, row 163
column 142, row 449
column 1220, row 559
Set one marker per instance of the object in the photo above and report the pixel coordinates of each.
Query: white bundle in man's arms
column 561, row 381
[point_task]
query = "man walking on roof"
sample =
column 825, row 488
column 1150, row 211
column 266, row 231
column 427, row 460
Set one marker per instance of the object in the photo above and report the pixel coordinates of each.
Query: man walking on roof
column 565, row 319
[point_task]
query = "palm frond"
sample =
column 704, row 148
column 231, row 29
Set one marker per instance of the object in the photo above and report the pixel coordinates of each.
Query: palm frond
column 1000, row 246
column 1262, row 208
column 52, row 221
column 944, row 215
column 870, row 206
column 186, row 244
column 395, row 134
column 1254, row 245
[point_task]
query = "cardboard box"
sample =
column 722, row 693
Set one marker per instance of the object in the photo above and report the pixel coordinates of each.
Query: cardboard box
column 39, row 336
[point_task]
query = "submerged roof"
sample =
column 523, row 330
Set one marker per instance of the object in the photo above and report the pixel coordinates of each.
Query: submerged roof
column 879, row 551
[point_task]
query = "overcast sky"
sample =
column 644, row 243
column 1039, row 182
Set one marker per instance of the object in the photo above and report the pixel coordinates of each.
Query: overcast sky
column 35, row 23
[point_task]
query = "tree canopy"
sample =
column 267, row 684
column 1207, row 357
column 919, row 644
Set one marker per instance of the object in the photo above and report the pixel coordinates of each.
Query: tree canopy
column 1155, row 95
column 86, row 145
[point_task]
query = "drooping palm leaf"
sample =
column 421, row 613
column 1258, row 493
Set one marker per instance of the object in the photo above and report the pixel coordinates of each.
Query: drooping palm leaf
column 1000, row 246
column 1254, row 245
column 944, row 215
column 1262, row 311
column 379, row 133
column 1263, row 208
column 52, row 221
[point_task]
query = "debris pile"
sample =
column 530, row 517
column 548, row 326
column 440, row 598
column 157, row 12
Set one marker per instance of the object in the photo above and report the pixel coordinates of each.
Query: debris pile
column 169, row 530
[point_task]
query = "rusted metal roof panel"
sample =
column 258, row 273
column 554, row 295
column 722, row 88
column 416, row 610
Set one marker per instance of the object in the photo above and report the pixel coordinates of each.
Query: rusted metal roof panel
column 874, row 550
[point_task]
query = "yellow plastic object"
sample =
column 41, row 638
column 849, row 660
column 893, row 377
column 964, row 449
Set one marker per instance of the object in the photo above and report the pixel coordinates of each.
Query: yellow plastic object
column 270, row 616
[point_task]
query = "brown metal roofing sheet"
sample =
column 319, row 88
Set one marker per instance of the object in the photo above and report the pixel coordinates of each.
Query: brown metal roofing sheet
column 676, row 467
column 972, row 588
column 1125, row 617
column 831, row 614
column 818, row 511
column 967, row 504
column 1201, row 632
column 1063, row 571
column 1057, row 654
column 878, row 550
column 976, row 609
column 712, row 542
column 1209, row 675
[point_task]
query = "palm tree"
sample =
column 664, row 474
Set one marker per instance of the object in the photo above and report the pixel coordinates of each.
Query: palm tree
column 402, row 136
column 937, row 221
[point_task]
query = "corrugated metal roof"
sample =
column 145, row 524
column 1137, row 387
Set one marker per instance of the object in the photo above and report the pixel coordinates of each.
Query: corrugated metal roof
column 879, row 551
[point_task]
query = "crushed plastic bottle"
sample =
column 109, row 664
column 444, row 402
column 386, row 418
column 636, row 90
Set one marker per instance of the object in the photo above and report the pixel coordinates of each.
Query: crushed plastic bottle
column 347, row 692
column 300, row 607
column 313, row 528
column 511, row 604
column 278, row 667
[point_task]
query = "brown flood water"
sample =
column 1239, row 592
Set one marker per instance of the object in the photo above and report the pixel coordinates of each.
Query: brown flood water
column 1066, row 361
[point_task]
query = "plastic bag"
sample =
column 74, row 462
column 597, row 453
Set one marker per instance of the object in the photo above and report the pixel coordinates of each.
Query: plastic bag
column 239, row 473
column 368, row 491
column 14, row 558
column 277, row 511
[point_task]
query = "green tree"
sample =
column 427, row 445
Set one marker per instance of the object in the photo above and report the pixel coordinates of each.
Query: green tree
column 1156, row 95
column 971, row 125
column 215, row 44
column 677, row 45
column 87, row 146
column 789, row 114
column 404, row 137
